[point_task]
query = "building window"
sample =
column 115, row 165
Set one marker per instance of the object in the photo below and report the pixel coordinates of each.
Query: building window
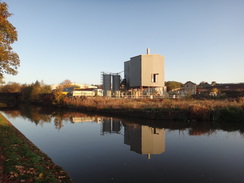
column 155, row 78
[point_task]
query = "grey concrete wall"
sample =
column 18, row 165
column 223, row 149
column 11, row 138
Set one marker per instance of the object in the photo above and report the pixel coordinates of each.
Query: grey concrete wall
column 135, row 72
column 145, row 71
column 127, row 72
column 152, row 64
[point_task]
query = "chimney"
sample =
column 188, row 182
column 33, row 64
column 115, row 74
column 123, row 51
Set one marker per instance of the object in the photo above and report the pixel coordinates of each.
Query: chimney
column 148, row 51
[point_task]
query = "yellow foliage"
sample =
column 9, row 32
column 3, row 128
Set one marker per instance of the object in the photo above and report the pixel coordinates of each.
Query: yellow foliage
column 58, row 96
column 41, row 176
column 215, row 90
column 9, row 60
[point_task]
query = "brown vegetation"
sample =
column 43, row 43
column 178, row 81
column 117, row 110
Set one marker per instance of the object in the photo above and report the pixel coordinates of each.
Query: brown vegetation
column 194, row 110
column 174, row 109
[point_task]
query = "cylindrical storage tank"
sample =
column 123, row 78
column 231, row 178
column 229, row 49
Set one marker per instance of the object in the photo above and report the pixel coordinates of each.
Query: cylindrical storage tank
column 116, row 82
column 107, row 93
column 106, row 82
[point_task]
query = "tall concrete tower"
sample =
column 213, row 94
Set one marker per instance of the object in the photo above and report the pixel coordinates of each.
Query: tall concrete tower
column 144, row 71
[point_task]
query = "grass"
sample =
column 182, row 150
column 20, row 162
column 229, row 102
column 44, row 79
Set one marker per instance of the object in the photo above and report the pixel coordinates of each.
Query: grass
column 21, row 161
column 194, row 110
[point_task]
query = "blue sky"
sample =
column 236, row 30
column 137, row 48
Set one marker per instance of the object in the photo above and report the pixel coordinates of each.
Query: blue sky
column 201, row 40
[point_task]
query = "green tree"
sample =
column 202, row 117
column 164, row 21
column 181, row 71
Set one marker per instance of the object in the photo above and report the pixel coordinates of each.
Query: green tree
column 34, row 92
column 9, row 60
column 203, row 84
column 171, row 85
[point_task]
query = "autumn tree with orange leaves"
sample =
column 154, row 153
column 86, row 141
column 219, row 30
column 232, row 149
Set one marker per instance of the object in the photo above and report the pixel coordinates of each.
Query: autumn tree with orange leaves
column 9, row 60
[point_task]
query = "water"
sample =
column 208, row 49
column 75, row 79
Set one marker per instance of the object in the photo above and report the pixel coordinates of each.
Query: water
column 107, row 149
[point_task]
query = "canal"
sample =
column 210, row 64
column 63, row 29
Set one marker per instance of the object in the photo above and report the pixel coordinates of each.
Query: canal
column 93, row 148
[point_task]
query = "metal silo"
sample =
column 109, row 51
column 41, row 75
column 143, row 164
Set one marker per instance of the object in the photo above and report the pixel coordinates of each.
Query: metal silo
column 116, row 82
column 116, row 85
column 106, row 81
column 107, row 84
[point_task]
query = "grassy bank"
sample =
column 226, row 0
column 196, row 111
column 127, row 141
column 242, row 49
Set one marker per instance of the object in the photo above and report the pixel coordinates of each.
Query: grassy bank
column 22, row 161
column 193, row 110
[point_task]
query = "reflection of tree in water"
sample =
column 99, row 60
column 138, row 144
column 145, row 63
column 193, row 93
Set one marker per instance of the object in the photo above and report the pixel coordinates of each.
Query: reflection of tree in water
column 35, row 115
column 12, row 113
column 208, row 128
column 41, row 116
column 59, row 117
column 201, row 129
column 58, row 122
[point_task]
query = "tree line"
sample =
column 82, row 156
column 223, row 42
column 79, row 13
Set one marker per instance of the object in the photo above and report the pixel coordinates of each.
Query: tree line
column 37, row 92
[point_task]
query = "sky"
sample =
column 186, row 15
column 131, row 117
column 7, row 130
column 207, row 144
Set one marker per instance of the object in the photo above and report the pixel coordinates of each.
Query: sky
column 201, row 40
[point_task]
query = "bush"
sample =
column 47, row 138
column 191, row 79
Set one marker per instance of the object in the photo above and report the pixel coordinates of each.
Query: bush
column 32, row 93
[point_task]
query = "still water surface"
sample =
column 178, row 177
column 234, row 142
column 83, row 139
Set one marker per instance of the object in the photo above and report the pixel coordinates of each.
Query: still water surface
column 107, row 149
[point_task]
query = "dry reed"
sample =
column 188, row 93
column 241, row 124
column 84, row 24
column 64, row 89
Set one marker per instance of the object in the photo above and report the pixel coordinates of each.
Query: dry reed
column 200, row 110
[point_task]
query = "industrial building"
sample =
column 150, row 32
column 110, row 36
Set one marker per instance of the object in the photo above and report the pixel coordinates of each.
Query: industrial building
column 145, row 71
column 144, row 74
column 111, row 88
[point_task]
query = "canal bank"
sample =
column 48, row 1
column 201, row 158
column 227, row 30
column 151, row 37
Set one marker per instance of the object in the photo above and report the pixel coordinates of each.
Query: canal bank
column 162, row 109
column 22, row 161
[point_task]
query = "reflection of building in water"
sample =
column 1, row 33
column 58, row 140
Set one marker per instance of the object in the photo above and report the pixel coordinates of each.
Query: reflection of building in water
column 85, row 119
column 145, row 139
column 110, row 125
